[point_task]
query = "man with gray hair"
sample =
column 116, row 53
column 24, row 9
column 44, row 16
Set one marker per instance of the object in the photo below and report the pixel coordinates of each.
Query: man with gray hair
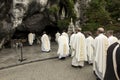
column 112, row 39
column 100, row 52
column 89, row 46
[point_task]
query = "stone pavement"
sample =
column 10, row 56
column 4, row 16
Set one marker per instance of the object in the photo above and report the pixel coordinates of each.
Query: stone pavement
column 9, row 57
column 53, row 69
column 41, row 66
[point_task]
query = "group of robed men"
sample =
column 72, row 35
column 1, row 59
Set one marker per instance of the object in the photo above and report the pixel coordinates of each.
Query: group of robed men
column 86, row 48
column 45, row 41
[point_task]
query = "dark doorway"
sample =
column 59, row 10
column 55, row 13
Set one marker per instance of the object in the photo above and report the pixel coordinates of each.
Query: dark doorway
column 20, row 34
column 51, row 31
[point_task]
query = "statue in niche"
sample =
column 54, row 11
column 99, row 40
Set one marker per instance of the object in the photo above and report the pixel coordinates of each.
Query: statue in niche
column 77, row 24
column 63, row 9
column 71, row 27
column 77, row 8
column 63, row 14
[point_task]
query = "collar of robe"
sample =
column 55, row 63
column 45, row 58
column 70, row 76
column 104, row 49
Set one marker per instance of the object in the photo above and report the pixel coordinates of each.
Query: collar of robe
column 101, row 34
column 119, row 41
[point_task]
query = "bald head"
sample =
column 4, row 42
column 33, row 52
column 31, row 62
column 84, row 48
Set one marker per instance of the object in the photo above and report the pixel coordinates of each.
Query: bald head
column 100, row 30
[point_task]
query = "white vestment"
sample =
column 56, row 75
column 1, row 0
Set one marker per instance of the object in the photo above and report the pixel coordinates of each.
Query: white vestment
column 80, row 50
column 63, row 49
column 65, row 34
column 89, row 48
column 72, row 42
column 112, row 39
column 57, row 36
column 30, row 38
column 45, row 43
column 100, row 47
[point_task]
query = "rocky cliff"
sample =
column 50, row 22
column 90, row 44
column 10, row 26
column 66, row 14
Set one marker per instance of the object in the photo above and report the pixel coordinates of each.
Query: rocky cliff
column 35, row 15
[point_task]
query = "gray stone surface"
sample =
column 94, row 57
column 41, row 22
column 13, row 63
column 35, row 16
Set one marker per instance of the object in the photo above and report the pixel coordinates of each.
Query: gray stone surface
column 10, row 57
column 48, row 70
column 51, row 69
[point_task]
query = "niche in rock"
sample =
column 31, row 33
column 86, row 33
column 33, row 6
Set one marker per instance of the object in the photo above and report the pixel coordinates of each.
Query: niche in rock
column 51, row 30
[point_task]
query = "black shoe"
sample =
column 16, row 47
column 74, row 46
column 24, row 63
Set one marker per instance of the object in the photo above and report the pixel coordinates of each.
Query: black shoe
column 79, row 66
column 48, row 51
column 69, row 55
column 91, row 64
column 63, row 58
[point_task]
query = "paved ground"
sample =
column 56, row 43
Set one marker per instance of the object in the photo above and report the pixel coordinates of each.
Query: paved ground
column 10, row 57
column 53, row 69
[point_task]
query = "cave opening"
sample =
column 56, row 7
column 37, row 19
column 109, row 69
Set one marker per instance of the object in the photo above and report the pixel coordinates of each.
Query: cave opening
column 51, row 30
column 20, row 34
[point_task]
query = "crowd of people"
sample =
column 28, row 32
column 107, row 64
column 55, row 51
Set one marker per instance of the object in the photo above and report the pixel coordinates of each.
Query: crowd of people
column 84, row 48
column 100, row 51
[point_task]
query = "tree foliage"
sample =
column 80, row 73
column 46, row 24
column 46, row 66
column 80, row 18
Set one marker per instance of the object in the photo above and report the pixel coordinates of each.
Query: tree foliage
column 103, row 12
column 63, row 24
column 113, row 7
column 70, row 9
column 97, row 13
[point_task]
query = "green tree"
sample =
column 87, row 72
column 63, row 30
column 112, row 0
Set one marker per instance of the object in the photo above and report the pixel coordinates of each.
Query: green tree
column 97, row 14
column 113, row 7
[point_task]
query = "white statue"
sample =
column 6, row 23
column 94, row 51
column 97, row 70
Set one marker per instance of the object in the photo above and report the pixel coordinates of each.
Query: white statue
column 77, row 9
column 77, row 23
column 71, row 27
column 63, row 13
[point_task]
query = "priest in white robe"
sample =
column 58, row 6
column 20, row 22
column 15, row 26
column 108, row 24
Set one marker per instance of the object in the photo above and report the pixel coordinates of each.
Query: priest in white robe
column 30, row 38
column 63, row 49
column 65, row 34
column 45, row 43
column 100, row 47
column 72, row 42
column 57, row 36
column 89, row 47
column 112, row 39
column 79, row 46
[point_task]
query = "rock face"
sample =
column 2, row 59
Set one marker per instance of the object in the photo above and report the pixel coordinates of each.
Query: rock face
column 36, row 23
column 33, row 15
column 36, row 17
column 23, row 15
column 5, row 23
